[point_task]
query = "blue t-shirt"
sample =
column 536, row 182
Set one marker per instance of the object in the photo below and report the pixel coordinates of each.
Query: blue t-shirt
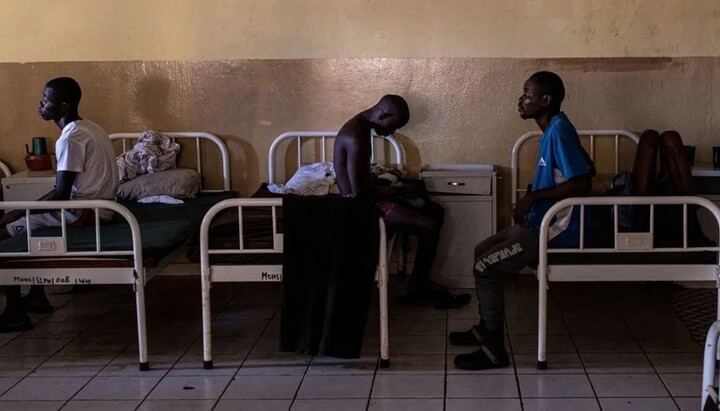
column 560, row 158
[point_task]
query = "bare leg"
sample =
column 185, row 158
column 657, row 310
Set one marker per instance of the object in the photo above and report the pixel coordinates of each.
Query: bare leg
column 645, row 164
column 428, row 231
column 675, row 163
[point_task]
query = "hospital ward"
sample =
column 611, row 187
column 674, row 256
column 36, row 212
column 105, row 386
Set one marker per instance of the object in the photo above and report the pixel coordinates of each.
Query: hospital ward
column 360, row 205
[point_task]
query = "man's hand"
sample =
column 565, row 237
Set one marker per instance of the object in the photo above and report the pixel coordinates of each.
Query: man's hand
column 522, row 207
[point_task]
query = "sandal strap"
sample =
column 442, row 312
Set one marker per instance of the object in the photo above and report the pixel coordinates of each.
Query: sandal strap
column 493, row 359
column 476, row 332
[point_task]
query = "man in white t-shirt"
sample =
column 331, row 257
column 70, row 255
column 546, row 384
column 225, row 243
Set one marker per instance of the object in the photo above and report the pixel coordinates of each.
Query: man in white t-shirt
column 86, row 170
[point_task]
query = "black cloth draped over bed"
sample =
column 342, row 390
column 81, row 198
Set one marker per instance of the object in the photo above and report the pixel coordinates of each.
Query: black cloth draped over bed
column 330, row 257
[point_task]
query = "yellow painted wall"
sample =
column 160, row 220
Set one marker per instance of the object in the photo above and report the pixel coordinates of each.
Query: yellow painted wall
column 111, row 30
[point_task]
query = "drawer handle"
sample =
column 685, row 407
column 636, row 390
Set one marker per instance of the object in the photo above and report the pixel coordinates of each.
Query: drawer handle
column 455, row 184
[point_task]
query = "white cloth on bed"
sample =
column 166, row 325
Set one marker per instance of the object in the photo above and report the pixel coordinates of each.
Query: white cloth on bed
column 163, row 199
column 153, row 152
column 310, row 180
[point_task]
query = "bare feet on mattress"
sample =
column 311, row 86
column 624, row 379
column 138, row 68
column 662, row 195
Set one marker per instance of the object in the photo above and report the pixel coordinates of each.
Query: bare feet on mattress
column 14, row 322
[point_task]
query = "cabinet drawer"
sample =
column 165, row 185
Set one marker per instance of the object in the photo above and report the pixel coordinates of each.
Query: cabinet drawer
column 458, row 184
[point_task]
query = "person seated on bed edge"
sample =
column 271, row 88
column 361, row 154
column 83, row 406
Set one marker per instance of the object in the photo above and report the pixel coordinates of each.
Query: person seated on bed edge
column 86, row 170
column 352, row 167
column 563, row 169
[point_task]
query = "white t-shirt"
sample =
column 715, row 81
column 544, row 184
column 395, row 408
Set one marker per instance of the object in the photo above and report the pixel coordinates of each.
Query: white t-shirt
column 85, row 148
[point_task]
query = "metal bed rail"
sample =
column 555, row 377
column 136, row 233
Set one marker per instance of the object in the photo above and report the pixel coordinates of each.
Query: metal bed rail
column 57, row 247
column 547, row 272
column 237, row 273
column 324, row 137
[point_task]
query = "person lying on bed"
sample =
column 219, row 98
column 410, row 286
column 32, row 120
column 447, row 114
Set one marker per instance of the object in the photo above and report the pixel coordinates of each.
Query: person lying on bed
column 352, row 168
column 672, row 177
column 563, row 170
column 86, row 170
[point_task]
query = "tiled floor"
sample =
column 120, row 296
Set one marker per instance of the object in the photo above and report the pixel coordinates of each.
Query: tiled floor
column 612, row 347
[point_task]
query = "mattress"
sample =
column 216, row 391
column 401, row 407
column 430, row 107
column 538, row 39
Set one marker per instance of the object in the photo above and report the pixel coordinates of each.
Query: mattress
column 257, row 233
column 163, row 228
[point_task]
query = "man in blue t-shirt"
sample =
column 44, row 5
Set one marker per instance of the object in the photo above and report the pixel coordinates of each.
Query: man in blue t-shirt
column 563, row 170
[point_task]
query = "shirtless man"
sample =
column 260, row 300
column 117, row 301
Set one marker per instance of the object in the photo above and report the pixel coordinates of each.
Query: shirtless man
column 86, row 170
column 352, row 167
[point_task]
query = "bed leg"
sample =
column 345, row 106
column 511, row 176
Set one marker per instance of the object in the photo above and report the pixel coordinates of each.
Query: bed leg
column 206, row 318
column 383, row 297
column 542, row 318
column 141, row 321
column 709, row 361
column 384, row 363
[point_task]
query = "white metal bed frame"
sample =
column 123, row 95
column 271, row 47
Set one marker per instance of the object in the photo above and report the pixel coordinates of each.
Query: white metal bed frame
column 101, row 266
column 710, row 375
column 547, row 272
column 260, row 273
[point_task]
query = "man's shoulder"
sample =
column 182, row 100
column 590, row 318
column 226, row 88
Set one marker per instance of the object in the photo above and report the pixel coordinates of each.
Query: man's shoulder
column 86, row 128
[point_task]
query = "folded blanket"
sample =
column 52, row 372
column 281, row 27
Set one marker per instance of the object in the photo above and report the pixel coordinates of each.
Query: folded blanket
column 153, row 152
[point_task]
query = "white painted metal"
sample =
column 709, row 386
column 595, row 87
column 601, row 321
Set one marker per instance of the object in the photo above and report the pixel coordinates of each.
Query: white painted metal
column 91, row 274
column 197, row 135
column 324, row 136
column 591, row 134
column 618, row 272
column 5, row 169
column 709, row 384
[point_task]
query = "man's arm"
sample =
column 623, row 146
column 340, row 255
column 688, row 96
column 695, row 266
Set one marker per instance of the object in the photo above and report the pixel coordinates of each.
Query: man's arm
column 577, row 186
column 357, row 168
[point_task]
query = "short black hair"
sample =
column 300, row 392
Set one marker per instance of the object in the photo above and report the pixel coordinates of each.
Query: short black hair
column 66, row 90
column 553, row 85
column 398, row 103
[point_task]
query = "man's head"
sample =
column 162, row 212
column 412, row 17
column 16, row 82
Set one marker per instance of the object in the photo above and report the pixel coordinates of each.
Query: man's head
column 389, row 114
column 61, row 97
column 543, row 92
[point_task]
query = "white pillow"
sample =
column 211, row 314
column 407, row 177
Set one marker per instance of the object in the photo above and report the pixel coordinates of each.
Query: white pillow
column 176, row 182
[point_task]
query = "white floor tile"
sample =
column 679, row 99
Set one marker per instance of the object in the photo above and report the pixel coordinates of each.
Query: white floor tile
column 667, row 363
column 560, row 404
column 186, row 388
column 408, row 386
column 118, row 388
column 638, row 404
column 46, row 389
column 555, row 386
column 335, row 386
column 482, row 386
column 71, row 366
column 254, row 405
column 683, row 385
column 89, row 405
column 329, row 405
column 556, row 363
column 617, row 363
column 688, row 404
column 19, row 366
column 177, row 405
column 405, row 404
column 495, row 404
column 262, row 387
column 628, row 385
column 31, row 405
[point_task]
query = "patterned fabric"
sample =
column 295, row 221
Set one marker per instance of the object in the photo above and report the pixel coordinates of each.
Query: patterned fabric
column 152, row 153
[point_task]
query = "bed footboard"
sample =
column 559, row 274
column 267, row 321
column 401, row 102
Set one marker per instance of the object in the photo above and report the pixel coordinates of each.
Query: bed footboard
column 126, row 266
column 683, row 262
column 266, row 272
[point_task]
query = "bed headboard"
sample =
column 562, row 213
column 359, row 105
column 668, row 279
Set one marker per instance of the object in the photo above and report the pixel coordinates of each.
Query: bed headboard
column 5, row 169
column 378, row 149
column 198, row 136
column 589, row 135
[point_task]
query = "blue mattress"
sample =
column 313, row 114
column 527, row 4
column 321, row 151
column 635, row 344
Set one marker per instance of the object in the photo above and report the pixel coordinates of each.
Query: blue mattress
column 163, row 228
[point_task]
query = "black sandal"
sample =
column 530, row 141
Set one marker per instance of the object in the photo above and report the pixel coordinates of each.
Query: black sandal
column 453, row 301
column 482, row 359
column 473, row 336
